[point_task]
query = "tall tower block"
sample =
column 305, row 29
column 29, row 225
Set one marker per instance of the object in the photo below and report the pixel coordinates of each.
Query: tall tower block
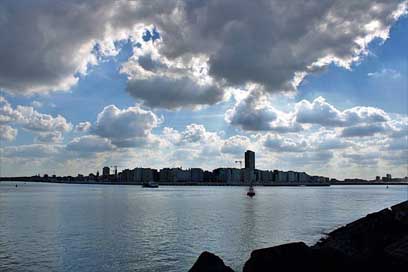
column 250, row 159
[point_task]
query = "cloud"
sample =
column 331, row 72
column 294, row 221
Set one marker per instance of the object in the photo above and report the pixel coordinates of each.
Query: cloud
column 322, row 113
column 66, row 38
column 90, row 144
column 7, row 113
column 316, row 158
column 236, row 145
column 192, row 134
column 277, row 143
column 128, row 127
column 174, row 93
column 46, row 127
column 7, row 133
column 31, row 151
column 49, row 137
column 83, row 126
column 38, row 122
column 255, row 113
column 385, row 73
column 363, row 130
column 301, row 37
column 365, row 159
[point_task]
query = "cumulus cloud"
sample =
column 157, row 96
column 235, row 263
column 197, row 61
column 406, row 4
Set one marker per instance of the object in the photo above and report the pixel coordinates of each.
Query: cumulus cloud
column 277, row 143
column 301, row 38
column 39, row 122
column 49, row 137
column 322, row 113
column 365, row 159
column 174, row 93
column 128, row 127
column 315, row 158
column 46, row 127
column 7, row 133
column 31, row 151
column 192, row 134
column 90, row 144
column 255, row 113
column 83, row 126
column 363, row 130
column 7, row 113
column 236, row 145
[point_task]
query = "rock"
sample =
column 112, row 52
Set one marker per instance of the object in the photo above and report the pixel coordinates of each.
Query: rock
column 208, row 262
column 278, row 258
column 377, row 242
column 295, row 257
column 367, row 238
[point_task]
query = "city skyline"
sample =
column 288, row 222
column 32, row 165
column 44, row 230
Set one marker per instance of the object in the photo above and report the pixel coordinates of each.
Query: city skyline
column 137, row 86
column 246, row 175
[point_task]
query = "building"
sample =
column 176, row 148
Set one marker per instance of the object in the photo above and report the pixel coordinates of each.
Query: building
column 250, row 159
column 292, row 176
column 106, row 171
column 126, row 175
column 197, row 175
column 280, row 176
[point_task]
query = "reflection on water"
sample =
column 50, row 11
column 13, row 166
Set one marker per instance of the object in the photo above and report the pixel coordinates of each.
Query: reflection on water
column 129, row 228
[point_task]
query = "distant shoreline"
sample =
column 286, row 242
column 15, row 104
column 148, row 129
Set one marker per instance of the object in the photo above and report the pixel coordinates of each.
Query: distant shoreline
column 207, row 183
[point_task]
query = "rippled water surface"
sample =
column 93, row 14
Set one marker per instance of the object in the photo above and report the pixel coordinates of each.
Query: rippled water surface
column 57, row 227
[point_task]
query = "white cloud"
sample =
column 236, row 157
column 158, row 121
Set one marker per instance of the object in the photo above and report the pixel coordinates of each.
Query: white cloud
column 277, row 143
column 255, row 113
column 83, row 126
column 46, row 127
column 38, row 122
column 90, row 144
column 236, row 145
column 385, row 73
column 7, row 133
column 31, row 151
column 128, row 127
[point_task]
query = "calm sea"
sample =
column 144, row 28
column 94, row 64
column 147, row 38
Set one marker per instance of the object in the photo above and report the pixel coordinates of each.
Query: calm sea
column 57, row 227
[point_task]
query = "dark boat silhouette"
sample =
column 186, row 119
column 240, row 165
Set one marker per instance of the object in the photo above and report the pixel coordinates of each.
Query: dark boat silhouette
column 150, row 184
column 251, row 191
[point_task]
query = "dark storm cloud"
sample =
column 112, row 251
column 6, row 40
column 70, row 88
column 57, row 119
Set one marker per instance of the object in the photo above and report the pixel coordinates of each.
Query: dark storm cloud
column 173, row 93
column 46, row 44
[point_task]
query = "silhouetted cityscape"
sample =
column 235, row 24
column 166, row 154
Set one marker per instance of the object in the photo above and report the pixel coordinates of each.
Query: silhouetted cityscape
column 218, row 176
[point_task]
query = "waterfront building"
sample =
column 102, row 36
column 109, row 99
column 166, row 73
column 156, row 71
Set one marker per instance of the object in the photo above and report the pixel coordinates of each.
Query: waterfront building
column 147, row 175
column 164, row 175
column 208, row 176
column 137, row 174
column 125, row 175
column 292, row 176
column 197, row 174
column 250, row 159
column 302, row 177
column 280, row 176
column 106, row 172
column 235, row 175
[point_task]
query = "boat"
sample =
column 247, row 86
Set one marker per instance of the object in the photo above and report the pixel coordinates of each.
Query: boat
column 150, row 184
column 251, row 191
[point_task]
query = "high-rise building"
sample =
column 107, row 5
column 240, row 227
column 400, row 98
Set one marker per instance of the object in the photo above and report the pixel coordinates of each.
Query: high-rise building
column 106, row 171
column 250, row 159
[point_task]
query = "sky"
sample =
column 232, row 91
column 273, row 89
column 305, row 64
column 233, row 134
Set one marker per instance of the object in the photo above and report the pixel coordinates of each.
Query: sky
column 314, row 86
